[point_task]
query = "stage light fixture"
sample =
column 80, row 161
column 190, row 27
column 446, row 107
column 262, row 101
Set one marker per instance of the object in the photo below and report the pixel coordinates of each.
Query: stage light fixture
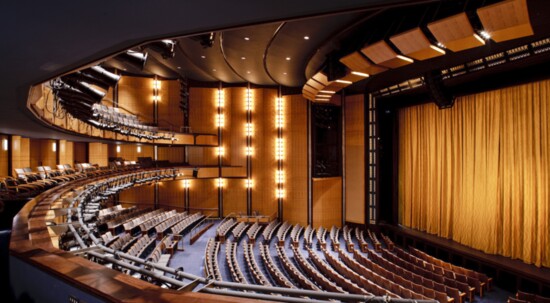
column 134, row 58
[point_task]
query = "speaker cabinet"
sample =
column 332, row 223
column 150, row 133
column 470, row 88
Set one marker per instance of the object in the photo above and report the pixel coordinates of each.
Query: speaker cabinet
column 440, row 95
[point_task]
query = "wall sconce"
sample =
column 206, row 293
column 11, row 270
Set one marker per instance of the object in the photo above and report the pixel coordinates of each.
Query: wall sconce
column 186, row 184
column 139, row 149
column 54, row 147
column 248, row 183
column 280, row 193
column 220, row 182
column 5, row 144
column 279, row 149
column 221, row 98
column 249, row 101
column 279, row 115
column 118, row 148
column 249, row 151
column 249, row 129
column 220, row 120
column 156, row 84
column 220, row 151
column 156, row 90
column 279, row 177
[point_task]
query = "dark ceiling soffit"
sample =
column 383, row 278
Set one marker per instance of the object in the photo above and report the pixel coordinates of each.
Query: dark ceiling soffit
column 266, row 52
column 220, row 34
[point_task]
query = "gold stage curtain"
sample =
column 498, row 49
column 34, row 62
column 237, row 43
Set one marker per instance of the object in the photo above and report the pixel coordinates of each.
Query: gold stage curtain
column 479, row 173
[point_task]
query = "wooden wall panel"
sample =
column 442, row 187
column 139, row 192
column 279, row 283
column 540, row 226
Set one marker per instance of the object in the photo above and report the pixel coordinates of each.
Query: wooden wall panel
column 355, row 159
column 170, row 115
column 129, row 152
column 264, row 164
column 202, row 110
column 24, row 152
column 203, row 196
column 234, row 136
column 4, row 157
column 144, row 196
column 172, row 154
column 66, row 155
column 327, row 202
column 135, row 94
column 234, row 197
column 295, row 165
column 199, row 155
column 42, row 154
column 98, row 153
column 79, row 152
column 172, row 195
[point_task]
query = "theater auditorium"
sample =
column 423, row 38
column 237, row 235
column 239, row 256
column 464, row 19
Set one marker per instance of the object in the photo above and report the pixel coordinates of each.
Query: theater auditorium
column 283, row 151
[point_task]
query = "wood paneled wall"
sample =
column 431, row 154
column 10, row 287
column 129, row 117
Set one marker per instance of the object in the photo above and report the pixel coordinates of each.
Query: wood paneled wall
column 79, row 152
column 129, row 152
column 170, row 115
column 42, row 153
column 98, row 153
column 327, row 202
column 354, row 141
column 4, row 161
column 173, row 154
column 171, row 195
column 144, row 196
column 295, row 166
column 234, row 197
column 135, row 94
column 264, row 165
column 66, row 152
column 203, row 195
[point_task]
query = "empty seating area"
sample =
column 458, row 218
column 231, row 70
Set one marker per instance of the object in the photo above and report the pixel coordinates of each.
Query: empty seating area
column 223, row 229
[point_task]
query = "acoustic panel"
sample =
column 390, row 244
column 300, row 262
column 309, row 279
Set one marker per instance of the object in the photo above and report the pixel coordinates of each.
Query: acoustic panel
column 455, row 32
column 415, row 44
column 506, row 20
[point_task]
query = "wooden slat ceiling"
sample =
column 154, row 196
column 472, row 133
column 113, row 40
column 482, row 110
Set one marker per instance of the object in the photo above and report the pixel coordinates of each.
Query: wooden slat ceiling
column 356, row 62
column 455, row 32
column 382, row 54
column 506, row 20
column 415, row 44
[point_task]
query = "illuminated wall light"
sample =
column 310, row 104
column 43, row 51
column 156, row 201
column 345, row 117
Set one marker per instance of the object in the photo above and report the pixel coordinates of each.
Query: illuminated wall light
column 327, row 91
column 249, row 151
column 248, row 183
column 323, row 96
column 220, row 182
column 344, row 81
column 221, row 98
column 279, row 121
column 485, row 35
column 360, row 74
column 156, row 98
column 220, row 151
column 435, row 48
column 54, row 146
column 220, row 120
column 186, row 184
column 441, row 45
column 156, row 84
column 249, row 129
column 5, row 144
column 279, row 149
column 405, row 58
column 139, row 149
column 118, row 148
column 249, row 101
column 280, row 193
column 479, row 38
column 279, row 176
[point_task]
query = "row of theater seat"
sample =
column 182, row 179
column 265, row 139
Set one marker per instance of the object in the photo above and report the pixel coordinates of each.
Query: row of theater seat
column 525, row 297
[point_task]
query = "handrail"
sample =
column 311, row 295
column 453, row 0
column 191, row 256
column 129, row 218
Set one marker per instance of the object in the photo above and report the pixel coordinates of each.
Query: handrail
column 199, row 224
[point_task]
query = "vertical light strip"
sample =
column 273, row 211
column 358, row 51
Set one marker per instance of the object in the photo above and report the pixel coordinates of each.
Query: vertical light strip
column 156, row 98
column 249, row 149
column 220, row 123
column 372, row 189
column 279, row 153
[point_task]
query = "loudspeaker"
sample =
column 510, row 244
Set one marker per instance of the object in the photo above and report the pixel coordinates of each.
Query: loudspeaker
column 440, row 95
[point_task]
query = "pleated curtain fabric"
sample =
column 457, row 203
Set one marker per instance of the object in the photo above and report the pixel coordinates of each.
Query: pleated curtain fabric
column 479, row 173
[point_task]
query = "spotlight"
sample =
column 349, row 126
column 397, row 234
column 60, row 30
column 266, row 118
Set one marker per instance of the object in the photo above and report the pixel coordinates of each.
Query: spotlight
column 134, row 58
column 103, row 77
column 167, row 48
column 69, row 93
column 206, row 40
column 85, row 88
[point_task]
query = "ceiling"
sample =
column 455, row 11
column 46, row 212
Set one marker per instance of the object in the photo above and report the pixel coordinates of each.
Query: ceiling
column 254, row 42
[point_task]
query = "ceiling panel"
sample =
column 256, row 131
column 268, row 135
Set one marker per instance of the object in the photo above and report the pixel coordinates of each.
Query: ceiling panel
column 415, row 44
column 506, row 20
column 455, row 32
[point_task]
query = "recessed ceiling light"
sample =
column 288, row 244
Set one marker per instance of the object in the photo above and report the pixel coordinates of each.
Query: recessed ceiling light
column 246, row 38
column 306, row 37
column 203, row 56
column 284, row 73
column 287, row 58
column 179, row 67
column 213, row 69
column 248, row 72
column 242, row 58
